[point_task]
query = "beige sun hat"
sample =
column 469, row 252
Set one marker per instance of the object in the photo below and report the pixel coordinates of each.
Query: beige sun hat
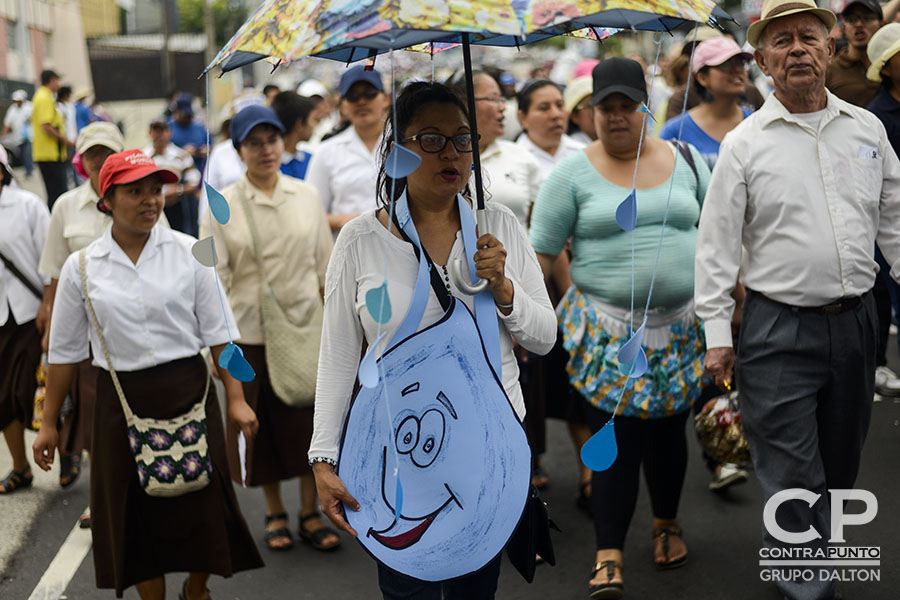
column 774, row 9
column 577, row 90
column 882, row 48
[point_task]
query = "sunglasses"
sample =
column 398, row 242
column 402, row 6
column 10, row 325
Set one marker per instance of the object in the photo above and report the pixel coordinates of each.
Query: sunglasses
column 367, row 93
column 436, row 142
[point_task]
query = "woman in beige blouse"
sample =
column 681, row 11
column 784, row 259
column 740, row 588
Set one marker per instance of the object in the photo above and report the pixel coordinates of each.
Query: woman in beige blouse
column 296, row 245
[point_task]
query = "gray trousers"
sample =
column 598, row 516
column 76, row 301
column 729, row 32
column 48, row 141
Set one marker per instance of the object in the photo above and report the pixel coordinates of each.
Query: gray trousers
column 807, row 383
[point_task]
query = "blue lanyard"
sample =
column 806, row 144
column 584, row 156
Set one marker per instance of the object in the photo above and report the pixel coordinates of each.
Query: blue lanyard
column 485, row 309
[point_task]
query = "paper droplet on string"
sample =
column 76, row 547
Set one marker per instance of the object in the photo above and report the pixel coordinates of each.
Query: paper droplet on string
column 379, row 303
column 401, row 162
column 601, row 450
column 626, row 213
column 217, row 204
column 630, row 349
column 398, row 500
column 238, row 366
column 205, row 252
column 368, row 366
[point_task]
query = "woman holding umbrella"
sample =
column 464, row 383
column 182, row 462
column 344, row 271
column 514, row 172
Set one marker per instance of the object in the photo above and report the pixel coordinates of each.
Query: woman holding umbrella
column 432, row 123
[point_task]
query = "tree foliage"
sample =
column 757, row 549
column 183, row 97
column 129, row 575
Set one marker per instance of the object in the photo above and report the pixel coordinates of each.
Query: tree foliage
column 228, row 16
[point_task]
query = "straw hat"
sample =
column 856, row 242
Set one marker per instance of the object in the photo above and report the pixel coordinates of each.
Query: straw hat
column 882, row 48
column 577, row 90
column 775, row 9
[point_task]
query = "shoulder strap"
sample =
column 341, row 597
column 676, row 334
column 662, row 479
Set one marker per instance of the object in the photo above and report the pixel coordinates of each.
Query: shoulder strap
column 129, row 416
column 685, row 150
column 436, row 283
column 18, row 275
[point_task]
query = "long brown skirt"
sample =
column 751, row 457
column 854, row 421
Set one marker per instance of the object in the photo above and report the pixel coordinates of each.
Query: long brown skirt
column 138, row 537
column 20, row 355
column 75, row 434
column 279, row 450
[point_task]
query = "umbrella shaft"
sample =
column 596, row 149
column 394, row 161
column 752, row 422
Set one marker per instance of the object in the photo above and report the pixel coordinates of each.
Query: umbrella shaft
column 470, row 97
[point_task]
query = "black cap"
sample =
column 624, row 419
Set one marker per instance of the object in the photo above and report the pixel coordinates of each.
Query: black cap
column 619, row 75
column 871, row 5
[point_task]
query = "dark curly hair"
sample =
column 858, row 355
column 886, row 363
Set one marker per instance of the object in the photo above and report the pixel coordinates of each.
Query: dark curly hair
column 412, row 98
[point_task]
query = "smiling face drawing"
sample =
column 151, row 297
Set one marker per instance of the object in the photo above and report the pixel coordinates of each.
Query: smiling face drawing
column 444, row 426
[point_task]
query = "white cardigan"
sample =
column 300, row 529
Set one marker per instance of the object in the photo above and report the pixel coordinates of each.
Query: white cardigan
column 358, row 265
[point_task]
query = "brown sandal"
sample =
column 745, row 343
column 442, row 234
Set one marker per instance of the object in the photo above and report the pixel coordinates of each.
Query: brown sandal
column 663, row 534
column 17, row 480
column 608, row 590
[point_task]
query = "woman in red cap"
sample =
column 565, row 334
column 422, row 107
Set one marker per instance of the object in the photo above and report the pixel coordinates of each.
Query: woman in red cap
column 157, row 308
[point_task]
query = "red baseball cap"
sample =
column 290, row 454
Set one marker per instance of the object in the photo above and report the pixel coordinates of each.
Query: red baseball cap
column 129, row 166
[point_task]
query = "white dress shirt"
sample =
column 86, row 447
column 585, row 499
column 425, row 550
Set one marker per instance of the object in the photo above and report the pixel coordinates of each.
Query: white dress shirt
column 178, row 160
column 75, row 222
column 547, row 161
column 511, row 177
column 225, row 168
column 345, row 172
column 24, row 219
column 163, row 308
column 18, row 118
column 357, row 266
column 805, row 204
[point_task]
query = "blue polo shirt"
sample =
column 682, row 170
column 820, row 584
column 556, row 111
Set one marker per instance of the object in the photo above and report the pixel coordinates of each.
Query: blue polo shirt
column 297, row 165
column 193, row 134
column 693, row 135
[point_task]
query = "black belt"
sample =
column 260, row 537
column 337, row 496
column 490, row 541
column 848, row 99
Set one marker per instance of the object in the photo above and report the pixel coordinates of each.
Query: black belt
column 835, row 308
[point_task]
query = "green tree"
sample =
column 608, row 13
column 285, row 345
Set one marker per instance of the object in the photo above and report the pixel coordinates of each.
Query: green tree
column 228, row 16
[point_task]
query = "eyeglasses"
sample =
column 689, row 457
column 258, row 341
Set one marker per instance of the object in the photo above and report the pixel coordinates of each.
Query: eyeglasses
column 582, row 106
column 367, row 93
column 256, row 144
column 436, row 142
column 859, row 18
column 493, row 100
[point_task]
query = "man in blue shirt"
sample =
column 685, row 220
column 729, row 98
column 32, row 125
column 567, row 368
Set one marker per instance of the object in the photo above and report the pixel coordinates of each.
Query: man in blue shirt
column 186, row 133
column 84, row 116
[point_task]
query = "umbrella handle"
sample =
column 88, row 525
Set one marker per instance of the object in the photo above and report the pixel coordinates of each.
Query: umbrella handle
column 459, row 274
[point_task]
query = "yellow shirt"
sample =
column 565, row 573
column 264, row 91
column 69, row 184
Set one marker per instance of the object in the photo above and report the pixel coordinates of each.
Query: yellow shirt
column 45, row 147
column 296, row 246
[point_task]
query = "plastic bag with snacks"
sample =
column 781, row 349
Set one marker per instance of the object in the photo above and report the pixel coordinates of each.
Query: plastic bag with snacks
column 721, row 432
column 40, row 393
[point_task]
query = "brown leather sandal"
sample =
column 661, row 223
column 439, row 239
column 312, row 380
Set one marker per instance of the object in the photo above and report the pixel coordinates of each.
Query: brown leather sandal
column 663, row 533
column 608, row 590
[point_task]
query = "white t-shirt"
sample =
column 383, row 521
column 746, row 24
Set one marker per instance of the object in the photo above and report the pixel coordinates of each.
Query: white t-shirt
column 511, row 177
column 345, row 172
column 357, row 266
column 163, row 308
column 24, row 219
column 17, row 117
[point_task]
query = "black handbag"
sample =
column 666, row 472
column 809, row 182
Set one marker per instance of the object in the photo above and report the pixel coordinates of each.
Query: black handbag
column 532, row 537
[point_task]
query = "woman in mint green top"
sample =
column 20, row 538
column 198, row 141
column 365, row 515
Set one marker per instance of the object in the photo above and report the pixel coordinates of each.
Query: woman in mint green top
column 577, row 204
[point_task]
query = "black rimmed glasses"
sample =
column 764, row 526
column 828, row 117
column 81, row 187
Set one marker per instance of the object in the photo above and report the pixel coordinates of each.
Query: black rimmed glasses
column 436, row 142
column 492, row 99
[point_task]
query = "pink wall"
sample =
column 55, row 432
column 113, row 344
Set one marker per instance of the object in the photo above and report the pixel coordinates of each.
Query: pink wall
column 4, row 71
column 38, row 53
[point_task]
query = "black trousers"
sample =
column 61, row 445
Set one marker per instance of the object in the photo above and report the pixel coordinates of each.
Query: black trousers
column 806, row 382
column 661, row 445
column 481, row 585
column 56, row 181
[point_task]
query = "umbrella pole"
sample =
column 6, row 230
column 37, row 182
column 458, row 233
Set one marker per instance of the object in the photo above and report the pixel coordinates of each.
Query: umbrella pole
column 462, row 281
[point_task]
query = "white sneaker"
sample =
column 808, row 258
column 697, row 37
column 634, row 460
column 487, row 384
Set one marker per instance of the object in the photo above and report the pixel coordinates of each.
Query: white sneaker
column 727, row 475
column 886, row 382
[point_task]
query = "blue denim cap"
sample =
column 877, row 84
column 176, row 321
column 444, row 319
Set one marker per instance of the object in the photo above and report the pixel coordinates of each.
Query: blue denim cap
column 250, row 117
column 359, row 73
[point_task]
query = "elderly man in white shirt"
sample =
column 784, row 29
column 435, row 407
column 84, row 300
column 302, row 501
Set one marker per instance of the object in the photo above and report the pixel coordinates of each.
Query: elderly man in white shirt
column 801, row 191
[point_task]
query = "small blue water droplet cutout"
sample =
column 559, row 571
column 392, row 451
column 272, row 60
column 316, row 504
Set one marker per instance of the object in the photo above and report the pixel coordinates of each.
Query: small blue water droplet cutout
column 238, row 366
column 600, row 451
column 217, row 204
column 626, row 213
column 401, row 162
column 629, row 350
column 637, row 368
column 225, row 356
column 398, row 500
column 644, row 109
column 379, row 303
column 368, row 366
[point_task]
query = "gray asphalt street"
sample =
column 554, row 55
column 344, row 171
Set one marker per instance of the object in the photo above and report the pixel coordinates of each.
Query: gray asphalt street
column 722, row 532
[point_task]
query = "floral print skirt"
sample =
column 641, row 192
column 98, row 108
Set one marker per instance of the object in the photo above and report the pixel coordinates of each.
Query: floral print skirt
column 674, row 377
column 139, row 537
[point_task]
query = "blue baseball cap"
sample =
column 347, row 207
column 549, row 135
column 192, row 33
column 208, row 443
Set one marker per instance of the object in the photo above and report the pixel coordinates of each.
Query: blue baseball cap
column 184, row 104
column 507, row 79
column 250, row 117
column 356, row 74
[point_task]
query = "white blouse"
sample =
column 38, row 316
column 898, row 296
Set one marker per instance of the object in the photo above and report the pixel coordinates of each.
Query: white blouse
column 547, row 161
column 163, row 308
column 24, row 219
column 345, row 173
column 357, row 266
column 511, row 177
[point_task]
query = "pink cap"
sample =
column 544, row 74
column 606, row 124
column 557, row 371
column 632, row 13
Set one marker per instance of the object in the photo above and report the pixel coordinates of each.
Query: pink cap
column 716, row 51
column 585, row 67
